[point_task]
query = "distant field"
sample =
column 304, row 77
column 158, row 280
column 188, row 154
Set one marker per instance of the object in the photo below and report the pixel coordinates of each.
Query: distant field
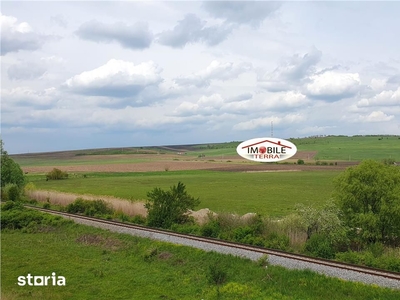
column 269, row 193
column 351, row 148
column 341, row 148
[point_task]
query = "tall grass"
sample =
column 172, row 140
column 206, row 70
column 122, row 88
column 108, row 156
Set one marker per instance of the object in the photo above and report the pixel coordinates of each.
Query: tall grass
column 63, row 199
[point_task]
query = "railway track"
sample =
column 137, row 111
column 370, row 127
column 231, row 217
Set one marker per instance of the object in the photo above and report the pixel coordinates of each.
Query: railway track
column 275, row 257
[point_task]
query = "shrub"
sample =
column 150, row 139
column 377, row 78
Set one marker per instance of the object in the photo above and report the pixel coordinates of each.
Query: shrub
column 211, row 229
column 168, row 207
column 388, row 161
column 277, row 241
column 300, row 162
column 56, row 174
column 216, row 274
column 320, row 246
column 138, row 220
column 89, row 207
column 11, row 192
column 15, row 216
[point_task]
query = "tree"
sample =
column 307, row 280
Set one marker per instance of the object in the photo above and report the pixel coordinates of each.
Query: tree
column 324, row 221
column 369, row 197
column 10, row 170
column 168, row 207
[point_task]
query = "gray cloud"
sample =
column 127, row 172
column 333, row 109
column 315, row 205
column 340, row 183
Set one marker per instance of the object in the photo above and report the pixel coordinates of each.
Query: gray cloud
column 291, row 72
column 137, row 36
column 18, row 36
column 25, row 71
column 241, row 12
column 192, row 30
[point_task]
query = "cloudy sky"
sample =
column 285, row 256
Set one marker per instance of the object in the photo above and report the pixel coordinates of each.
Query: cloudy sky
column 78, row 75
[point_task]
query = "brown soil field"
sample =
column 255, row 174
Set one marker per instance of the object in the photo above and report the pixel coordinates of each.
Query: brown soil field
column 170, row 162
column 171, row 165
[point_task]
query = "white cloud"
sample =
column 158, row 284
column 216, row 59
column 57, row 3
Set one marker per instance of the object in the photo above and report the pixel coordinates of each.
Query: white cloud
column 215, row 71
column 290, row 99
column 375, row 116
column 206, row 105
column 385, row 98
column 333, row 86
column 241, row 12
column 117, row 78
column 266, row 122
column 24, row 96
column 314, row 129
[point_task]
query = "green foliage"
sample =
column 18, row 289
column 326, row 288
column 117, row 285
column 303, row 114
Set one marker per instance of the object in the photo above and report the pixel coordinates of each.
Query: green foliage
column 300, row 162
column 11, row 192
column 56, row 174
column 388, row 161
column 368, row 258
column 319, row 245
column 216, row 274
column 168, row 207
column 89, row 207
column 211, row 229
column 15, row 216
column 10, row 170
column 186, row 228
column 277, row 241
column 369, row 196
column 325, row 220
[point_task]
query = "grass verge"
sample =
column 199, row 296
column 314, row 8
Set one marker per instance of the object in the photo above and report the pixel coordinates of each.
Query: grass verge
column 98, row 264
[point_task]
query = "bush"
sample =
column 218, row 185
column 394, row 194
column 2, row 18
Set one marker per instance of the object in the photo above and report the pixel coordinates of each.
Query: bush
column 320, row 246
column 89, row 207
column 277, row 241
column 168, row 207
column 211, row 229
column 138, row 219
column 300, row 162
column 11, row 192
column 15, row 216
column 56, row 174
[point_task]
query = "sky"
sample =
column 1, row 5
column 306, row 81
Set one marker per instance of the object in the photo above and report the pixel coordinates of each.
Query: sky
column 96, row 74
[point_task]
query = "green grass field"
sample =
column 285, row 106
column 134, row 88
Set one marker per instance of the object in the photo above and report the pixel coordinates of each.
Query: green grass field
column 355, row 148
column 269, row 193
column 98, row 264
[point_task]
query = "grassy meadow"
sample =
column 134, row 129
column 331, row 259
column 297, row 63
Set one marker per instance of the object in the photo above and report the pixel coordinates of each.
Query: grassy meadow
column 355, row 148
column 267, row 193
column 98, row 264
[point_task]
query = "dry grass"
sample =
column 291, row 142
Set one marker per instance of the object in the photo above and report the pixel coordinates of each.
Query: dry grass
column 97, row 240
column 63, row 199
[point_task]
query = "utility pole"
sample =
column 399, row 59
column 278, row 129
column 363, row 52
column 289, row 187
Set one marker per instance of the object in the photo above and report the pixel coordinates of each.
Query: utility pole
column 272, row 128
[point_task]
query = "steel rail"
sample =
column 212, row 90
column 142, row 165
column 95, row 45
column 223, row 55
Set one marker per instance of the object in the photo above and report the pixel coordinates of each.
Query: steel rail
column 267, row 251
